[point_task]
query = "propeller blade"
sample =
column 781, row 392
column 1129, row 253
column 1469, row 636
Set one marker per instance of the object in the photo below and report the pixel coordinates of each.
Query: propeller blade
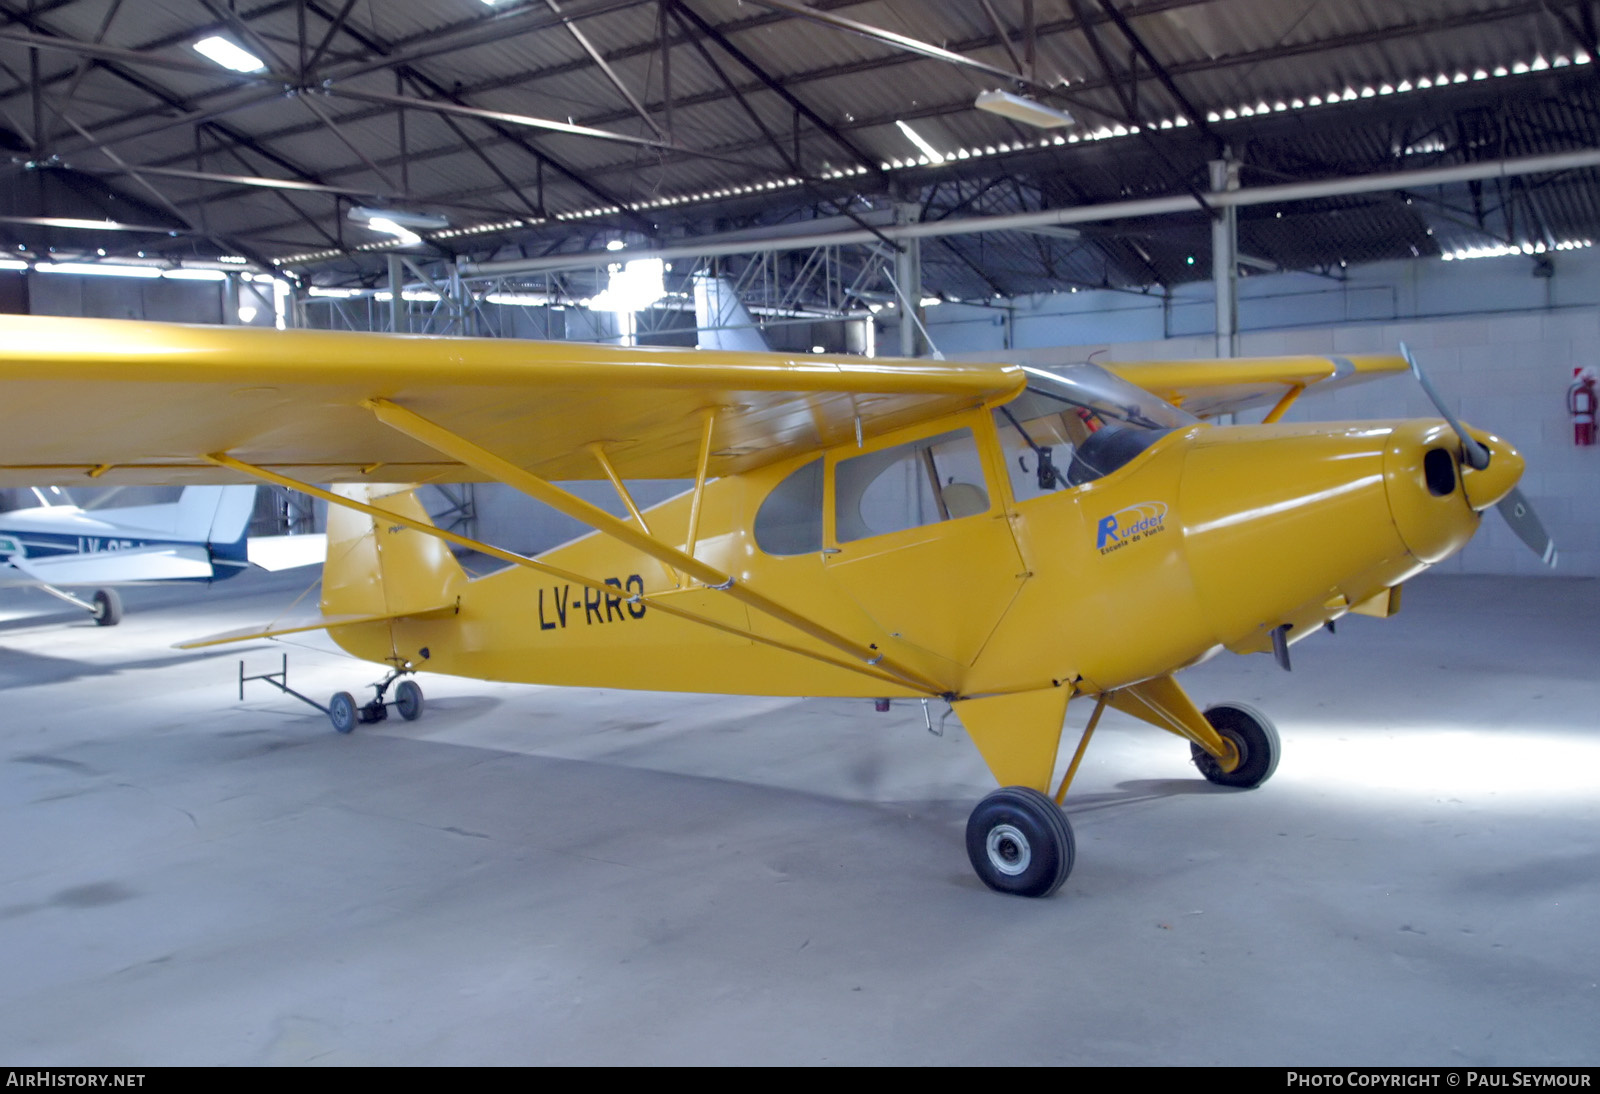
column 1519, row 513
column 1476, row 456
column 1515, row 506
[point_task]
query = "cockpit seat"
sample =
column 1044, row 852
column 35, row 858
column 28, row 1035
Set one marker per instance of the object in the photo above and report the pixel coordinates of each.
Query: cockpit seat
column 962, row 499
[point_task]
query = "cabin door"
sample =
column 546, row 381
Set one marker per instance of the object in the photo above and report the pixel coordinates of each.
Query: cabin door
column 917, row 536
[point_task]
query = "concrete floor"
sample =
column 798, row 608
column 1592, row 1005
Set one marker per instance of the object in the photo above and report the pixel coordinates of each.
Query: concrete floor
column 540, row 876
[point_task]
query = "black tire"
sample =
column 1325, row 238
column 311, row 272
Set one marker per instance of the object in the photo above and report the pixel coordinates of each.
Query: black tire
column 1253, row 734
column 1019, row 842
column 107, row 608
column 342, row 711
column 408, row 700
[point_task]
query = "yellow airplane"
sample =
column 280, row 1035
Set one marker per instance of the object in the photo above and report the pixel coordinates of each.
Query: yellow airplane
column 1001, row 538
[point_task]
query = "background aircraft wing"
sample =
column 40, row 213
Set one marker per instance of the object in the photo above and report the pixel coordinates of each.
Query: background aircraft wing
column 1211, row 387
column 146, row 402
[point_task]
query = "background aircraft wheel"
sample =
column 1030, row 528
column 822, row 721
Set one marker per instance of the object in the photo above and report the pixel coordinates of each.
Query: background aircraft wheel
column 342, row 711
column 1019, row 842
column 408, row 700
column 1252, row 734
column 107, row 608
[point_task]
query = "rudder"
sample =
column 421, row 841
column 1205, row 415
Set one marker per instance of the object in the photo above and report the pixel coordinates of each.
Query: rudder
column 379, row 567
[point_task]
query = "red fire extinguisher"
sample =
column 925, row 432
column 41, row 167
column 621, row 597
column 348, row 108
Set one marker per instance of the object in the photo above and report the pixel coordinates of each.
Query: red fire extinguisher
column 1581, row 402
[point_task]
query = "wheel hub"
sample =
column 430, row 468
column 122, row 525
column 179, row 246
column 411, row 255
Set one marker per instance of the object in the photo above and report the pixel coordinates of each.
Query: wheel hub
column 1008, row 849
column 1213, row 765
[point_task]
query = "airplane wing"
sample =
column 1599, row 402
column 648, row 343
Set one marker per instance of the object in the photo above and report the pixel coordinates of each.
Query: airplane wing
column 1207, row 388
column 111, row 401
column 172, row 563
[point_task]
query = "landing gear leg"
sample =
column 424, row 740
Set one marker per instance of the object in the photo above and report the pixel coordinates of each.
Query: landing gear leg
column 104, row 607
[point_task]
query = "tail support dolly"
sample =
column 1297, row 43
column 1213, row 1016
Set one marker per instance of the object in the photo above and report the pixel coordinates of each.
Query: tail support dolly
column 342, row 710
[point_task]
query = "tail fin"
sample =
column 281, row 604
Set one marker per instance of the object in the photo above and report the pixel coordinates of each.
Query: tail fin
column 218, row 515
column 724, row 321
column 376, row 567
column 215, row 514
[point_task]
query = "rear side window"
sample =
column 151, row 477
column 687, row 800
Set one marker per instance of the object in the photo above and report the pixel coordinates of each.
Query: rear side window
column 789, row 522
column 910, row 485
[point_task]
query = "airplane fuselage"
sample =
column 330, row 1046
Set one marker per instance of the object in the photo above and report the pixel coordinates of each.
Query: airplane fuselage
column 1209, row 539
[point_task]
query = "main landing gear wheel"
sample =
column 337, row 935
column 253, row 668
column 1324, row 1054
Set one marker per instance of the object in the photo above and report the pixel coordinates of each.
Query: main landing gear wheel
column 107, row 608
column 342, row 712
column 1252, row 734
column 408, row 700
column 1019, row 842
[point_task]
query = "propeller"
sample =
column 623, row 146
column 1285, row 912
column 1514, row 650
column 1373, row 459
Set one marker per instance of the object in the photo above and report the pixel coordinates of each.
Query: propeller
column 1515, row 506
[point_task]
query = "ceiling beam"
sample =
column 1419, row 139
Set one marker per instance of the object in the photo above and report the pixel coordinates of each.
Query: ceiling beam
column 1084, row 214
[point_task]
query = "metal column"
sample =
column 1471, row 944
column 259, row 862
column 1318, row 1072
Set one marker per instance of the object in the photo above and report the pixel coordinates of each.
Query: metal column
column 1225, row 257
column 397, row 300
column 908, row 282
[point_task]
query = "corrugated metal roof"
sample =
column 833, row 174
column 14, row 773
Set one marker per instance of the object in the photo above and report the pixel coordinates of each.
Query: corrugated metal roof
column 761, row 96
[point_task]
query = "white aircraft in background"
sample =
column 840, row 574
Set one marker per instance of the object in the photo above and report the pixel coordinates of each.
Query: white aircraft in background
column 203, row 536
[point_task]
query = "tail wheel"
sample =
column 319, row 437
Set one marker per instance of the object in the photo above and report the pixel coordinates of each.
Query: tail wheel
column 107, row 608
column 1252, row 734
column 408, row 700
column 1019, row 842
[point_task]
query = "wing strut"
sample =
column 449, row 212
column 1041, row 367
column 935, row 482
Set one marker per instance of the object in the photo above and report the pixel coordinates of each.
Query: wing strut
column 224, row 460
column 1284, row 404
column 621, row 488
column 701, row 468
column 480, row 459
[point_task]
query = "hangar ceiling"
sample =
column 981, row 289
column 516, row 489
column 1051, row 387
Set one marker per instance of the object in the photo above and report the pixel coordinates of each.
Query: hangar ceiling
column 527, row 132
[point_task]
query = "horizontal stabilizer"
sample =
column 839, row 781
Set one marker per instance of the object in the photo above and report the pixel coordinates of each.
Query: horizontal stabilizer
column 287, row 552
column 314, row 623
column 174, row 563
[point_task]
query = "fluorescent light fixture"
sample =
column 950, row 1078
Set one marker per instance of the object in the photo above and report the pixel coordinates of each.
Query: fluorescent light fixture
column 420, row 222
column 337, row 294
column 934, row 156
column 518, row 299
column 389, row 227
column 228, row 55
column 185, row 274
column 97, row 269
column 931, row 301
column 1024, row 110
column 12, row 264
column 615, row 245
column 415, row 296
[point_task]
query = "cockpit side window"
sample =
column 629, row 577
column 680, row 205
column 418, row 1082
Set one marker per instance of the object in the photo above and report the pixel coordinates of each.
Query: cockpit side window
column 789, row 521
column 1038, row 449
column 909, row 485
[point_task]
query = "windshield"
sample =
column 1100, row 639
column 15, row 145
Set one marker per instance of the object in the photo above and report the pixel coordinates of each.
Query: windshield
column 1101, row 393
column 1077, row 423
